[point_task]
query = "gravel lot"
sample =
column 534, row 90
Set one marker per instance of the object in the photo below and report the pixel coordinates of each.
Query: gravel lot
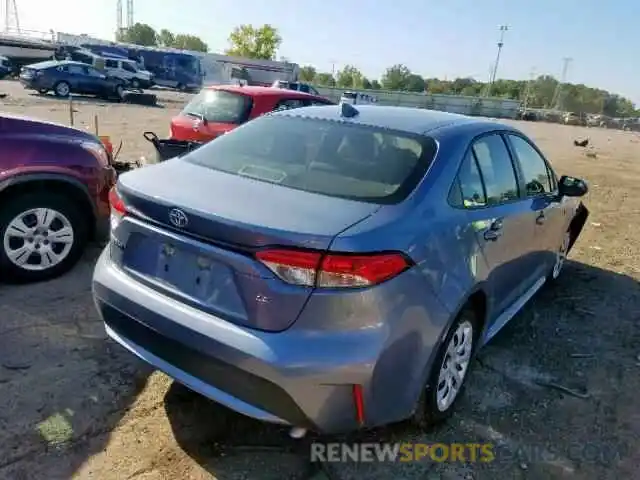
column 74, row 405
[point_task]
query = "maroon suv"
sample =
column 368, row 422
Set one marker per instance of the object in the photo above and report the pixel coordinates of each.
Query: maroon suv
column 54, row 189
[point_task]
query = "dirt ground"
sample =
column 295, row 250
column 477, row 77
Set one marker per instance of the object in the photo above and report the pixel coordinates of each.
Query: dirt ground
column 75, row 405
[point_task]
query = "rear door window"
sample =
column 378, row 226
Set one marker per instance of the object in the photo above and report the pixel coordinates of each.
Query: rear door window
column 471, row 189
column 496, row 168
column 111, row 64
column 343, row 160
column 219, row 107
column 77, row 69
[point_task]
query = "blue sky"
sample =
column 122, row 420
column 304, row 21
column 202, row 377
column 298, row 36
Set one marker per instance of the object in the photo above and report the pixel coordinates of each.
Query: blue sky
column 435, row 39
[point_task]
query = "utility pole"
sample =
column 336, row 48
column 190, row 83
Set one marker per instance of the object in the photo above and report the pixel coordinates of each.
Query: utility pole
column 118, row 19
column 558, row 95
column 129, row 13
column 11, row 20
column 503, row 30
column 527, row 90
column 486, row 91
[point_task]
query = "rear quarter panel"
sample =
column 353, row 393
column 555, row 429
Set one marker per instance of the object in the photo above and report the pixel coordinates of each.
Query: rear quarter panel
column 417, row 307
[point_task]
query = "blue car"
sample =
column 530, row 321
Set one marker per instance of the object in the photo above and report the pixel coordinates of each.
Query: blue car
column 334, row 267
column 69, row 77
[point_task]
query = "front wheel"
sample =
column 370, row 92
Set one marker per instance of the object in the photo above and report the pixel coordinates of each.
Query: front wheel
column 42, row 236
column 135, row 83
column 449, row 372
column 561, row 257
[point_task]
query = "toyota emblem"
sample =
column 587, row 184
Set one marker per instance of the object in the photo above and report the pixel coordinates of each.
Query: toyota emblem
column 178, row 218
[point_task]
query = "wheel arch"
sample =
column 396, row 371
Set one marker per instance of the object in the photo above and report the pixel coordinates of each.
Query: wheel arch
column 52, row 182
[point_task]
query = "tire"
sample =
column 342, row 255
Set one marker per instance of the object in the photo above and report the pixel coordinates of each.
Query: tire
column 135, row 83
column 181, row 87
column 62, row 89
column 430, row 411
column 63, row 213
column 119, row 92
column 43, row 91
column 561, row 258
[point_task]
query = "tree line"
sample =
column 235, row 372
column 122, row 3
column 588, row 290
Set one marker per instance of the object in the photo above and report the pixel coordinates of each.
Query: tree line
column 541, row 92
column 262, row 42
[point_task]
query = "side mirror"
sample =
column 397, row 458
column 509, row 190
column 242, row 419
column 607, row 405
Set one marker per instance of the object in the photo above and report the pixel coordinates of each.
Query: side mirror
column 572, row 187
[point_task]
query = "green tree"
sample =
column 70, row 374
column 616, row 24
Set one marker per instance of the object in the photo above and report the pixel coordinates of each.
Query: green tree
column 415, row 83
column 308, row 74
column 325, row 79
column 166, row 38
column 190, row 42
column 248, row 41
column 396, row 77
column 139, row 34
column 375, row 85
column 366, row 83
column 349, row 77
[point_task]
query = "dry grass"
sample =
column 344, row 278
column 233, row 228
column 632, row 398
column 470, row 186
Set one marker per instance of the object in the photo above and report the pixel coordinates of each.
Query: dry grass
column 73, row 405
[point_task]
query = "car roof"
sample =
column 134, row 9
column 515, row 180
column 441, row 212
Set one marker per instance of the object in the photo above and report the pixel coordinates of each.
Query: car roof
column 256, row 91
column 411, row 120
column 55, row 63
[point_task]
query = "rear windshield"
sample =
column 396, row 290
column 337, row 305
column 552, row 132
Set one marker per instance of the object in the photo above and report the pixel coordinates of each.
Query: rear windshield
column 218, row 106
column 336, row 159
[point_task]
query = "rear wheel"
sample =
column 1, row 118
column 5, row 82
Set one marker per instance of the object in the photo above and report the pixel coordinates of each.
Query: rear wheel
column 450, row 371
column 135, row 83
column 43, row 91
column 42, row 236
column 62, row 89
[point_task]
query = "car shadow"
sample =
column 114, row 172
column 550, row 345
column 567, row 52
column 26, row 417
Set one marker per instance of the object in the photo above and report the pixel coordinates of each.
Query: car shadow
column 87, row 99
column 63, row 388
column 580, row 336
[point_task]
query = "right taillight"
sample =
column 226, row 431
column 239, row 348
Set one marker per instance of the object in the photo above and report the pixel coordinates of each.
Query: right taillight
column 118, row 208
column 333, row 270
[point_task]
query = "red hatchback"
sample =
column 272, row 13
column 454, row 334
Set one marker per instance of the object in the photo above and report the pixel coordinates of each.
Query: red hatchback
column 220, row 108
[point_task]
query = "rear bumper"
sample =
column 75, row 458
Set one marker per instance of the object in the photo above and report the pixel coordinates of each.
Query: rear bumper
column 287, row 378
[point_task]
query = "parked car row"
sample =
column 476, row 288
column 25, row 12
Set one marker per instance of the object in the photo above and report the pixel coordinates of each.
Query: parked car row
column 285, row 268
column 581, row 119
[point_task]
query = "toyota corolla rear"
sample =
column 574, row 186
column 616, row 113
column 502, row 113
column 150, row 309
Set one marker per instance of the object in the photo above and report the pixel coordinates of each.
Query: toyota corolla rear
column 221, row 271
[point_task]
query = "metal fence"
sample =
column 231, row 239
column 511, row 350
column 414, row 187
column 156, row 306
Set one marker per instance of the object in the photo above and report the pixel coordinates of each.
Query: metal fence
column 477, row 106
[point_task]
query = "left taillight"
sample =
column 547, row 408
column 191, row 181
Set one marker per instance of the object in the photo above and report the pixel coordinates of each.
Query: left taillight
column 332, row 270
column 118, row 208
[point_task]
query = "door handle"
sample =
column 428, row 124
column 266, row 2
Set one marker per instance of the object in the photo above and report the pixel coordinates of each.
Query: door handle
column 540, row 219
column 492, row 235
column 495, row 231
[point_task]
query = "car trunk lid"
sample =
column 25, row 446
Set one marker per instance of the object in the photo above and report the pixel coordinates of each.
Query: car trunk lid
column 205, row 255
